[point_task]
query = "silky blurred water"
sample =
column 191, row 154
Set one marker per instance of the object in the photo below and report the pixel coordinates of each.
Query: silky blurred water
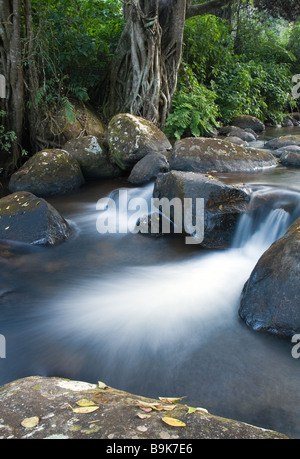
column 150, row 315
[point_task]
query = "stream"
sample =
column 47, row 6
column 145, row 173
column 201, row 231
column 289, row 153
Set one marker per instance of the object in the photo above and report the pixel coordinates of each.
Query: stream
column 152, row 315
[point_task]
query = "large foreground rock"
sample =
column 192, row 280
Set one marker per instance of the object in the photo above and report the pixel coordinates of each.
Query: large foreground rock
column 48, row 173
column 198, row 154
column 45, row 408
column 223, row 204
column 270, row 300
column 283, row 141
column 92, row 157
column 130, row 138
column 26, row 218
column 248, row 122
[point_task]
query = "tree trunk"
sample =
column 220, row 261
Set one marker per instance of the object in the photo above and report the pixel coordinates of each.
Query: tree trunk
column 144, row 71
column 146, row 64
column 12, row 69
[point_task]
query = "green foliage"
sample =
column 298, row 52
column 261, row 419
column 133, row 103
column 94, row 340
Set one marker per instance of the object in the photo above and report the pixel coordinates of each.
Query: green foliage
column 193, row 110
column 6, row 137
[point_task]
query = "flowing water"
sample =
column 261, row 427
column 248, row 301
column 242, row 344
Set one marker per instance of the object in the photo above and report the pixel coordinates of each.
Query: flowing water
column 153, row 316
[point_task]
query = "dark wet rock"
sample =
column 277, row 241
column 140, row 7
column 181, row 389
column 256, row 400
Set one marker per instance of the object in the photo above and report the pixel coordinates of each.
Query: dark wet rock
column 48, row 173
column 223, row 204
column 48, row 404
column 247, row 121
column 271, row 297
column 283, row 141
column 197, row 154
column 288, row 149
column 130, row 138
column 148, row 168
column 234, row 131
column 288, row 122
column 29, row 219
column 290, row 159
column 92, row 157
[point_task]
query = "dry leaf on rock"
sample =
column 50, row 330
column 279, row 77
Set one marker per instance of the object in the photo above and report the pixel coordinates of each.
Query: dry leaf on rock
column 29, row 423
column 173, row 422
column 85, row 402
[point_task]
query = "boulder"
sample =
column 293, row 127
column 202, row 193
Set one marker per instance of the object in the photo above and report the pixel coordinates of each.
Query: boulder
column 237, row 141
column 148, row 168
column 247, row 121
column 86, row 122
column 29, row 219
column 197, row 154
column 130, row 138
column 48, row 173
column 270, row 300
column 223, row 204
column 92, row 157
column 290, row 159
column 49, row 408
column 234, row 131
column 288, row 149
column 283, row 141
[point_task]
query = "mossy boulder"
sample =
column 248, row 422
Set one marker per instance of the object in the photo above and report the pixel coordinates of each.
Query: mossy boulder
column 26, row 218
column 45, row 408
column 223, row 204
column 48, row 173
column 270, row 300
column 288, row 149
column 198, row 154
column 130, row 138
column 283, row 141
column 248, row 121
column 92, row 157
column 148, row 168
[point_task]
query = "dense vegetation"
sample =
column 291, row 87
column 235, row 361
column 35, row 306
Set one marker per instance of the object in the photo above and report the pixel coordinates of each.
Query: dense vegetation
column 238, row 62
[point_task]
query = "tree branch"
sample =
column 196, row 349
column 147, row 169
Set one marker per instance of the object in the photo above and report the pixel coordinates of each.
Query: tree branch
column 206, row 8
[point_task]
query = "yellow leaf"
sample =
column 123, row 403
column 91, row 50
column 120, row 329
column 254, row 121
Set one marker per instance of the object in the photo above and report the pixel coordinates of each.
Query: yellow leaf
column 84, row 402
column 170, row 399
column 191, row 410
column 173, row 422
column 102, row 385
column 144, row 416
column 85, row 409
column 221, row 207
column 29, row 423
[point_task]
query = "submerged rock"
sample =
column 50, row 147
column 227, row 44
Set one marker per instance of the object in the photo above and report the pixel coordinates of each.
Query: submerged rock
column 250, row 122
column 48, row 173
column 198, row 154
column 130, row 138
column 29, row 219
column 234, row 131
column 270, row 300
column 288, row 149
column 148, row 168
column 49, row 408
column 92, row 157
column 223, row 204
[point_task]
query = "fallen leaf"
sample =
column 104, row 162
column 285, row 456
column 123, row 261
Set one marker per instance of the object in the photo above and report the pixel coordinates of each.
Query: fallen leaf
column 147, row 410
column 144, row 416
column 84, row 409
column 102, row 385
column 85, row 402
column 173, row 422
column 29, row 423
column 191, row 410
column 170, row 399
column 142, row 429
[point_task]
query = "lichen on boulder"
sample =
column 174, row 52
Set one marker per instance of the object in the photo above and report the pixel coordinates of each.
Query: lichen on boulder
column 92, row 157
column 198, row 154
column 48, row 173
column 130, row 138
